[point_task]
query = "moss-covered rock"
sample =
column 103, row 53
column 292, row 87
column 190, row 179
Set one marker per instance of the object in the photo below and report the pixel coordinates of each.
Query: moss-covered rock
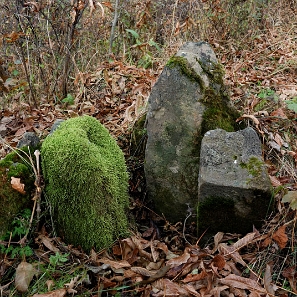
column 188, row 100
column 86, row 183
column 12, row 202
column 218, row 113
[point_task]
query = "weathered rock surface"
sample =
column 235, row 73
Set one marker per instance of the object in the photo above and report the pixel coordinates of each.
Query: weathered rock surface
column 56, row 125
column 234, row 186
column 188, row 99
column 29, row 139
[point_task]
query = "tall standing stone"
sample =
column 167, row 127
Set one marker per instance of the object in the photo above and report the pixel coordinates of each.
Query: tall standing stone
column 188, row 99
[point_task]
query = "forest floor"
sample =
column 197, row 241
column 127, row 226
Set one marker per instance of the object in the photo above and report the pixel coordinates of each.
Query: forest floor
column 159, row 258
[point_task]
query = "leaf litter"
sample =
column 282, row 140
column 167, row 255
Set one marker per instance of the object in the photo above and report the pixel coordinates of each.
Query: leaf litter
column 168, row 266
column 219, row 269
column 160, row 261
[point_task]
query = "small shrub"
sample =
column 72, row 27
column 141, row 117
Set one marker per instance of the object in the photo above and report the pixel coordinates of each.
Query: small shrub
column 20, row 227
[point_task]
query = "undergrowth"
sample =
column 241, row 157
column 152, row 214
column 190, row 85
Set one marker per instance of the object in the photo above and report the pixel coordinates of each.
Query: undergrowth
column 64, row 62
column 48, row 53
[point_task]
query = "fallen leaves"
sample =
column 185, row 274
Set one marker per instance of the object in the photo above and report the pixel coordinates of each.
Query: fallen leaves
column 219, row 261
column 17, row 185
column 165, row 287
column 48, row 242
column 291, row 274
column 194, row 272
column 291, row 197
column 270, row 288
column 55, row 293
column 222, row 269
column 240, row 282
column 280, row 237
column 115, row 264
column 24, row 275
column 116, row 94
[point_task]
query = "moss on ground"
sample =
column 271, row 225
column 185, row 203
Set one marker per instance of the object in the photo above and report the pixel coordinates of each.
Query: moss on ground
column 13, row 202
column 86, row 183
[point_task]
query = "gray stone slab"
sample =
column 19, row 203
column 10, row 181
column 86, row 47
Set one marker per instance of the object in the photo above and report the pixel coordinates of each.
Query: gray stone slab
column 234, row 187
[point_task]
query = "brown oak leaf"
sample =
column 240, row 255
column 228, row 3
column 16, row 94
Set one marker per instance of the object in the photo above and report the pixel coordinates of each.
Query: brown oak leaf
column 280, row 237
column 17, row 185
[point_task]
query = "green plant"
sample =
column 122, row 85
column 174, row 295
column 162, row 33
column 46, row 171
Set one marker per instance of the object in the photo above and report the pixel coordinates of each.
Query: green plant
column 264, row 93
column 292, row 104
column 266, row 96
column 20, row 227
column 58, row 259
column 69, row 99
column 146, row 57
column 16, row 251
column 59, row 273
column 134, row 34
column 291, row 197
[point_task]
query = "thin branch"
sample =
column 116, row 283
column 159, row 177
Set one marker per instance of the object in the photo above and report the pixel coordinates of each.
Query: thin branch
column 114, row 22
column 173, row 17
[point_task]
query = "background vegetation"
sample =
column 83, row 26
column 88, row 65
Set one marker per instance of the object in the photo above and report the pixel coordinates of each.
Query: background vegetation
column 49, row 48
column 60, row 59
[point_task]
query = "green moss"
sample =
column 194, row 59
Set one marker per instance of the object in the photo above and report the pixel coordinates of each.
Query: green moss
column 86, row 183
column 215, row 71
column 183, row 64
column 254, row 166
column 219, row 112
column 13, row 202
column 214, row 118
